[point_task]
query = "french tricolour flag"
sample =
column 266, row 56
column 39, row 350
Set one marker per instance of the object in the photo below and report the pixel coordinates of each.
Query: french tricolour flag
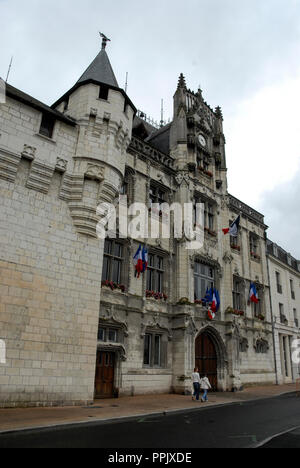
column 215, row 305
column 253, row 296
column 145, row 259
column 234, row 228
column 138, row 262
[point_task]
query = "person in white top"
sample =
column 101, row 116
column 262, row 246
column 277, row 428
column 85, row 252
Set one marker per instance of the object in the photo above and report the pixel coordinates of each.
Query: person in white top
column 205, row 386
column 196, row 384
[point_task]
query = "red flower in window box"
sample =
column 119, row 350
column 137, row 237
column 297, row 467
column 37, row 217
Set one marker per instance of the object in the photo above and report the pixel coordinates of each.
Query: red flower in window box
column 237, row 312
column 113, row 286
column 156, row 295
column 240, row 313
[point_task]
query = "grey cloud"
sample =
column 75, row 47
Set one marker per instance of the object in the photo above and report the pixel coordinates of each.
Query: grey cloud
column 230, row 47
column 281, row 207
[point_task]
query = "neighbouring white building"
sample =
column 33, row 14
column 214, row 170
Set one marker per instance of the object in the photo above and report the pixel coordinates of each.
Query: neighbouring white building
column 284, row 273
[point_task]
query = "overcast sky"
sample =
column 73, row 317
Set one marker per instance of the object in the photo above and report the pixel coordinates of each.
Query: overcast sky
column 245, row 54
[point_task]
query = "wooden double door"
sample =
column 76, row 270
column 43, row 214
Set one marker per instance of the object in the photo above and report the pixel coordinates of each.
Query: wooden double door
column 207, row 360
column 105, row 374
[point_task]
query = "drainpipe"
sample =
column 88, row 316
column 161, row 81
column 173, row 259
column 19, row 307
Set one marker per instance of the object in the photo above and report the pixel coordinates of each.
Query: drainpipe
column 272, row 318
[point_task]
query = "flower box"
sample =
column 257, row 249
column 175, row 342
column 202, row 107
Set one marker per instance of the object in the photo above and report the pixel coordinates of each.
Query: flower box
column 156, row 295
column 113, row 286
column 184, row 301
column 236, row 247
column 197, row 302
column 239, row 313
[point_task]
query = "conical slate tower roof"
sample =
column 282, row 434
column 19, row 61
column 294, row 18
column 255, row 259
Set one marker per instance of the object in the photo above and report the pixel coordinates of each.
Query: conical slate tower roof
column 100, row 70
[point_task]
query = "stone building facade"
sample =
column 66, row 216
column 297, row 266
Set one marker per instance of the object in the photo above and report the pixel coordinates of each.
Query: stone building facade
column 284, row 271
column 76, row 321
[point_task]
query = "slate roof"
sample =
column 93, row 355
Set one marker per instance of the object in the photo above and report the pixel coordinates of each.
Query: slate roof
column 149, row 129
column 100, row 70
column 161, row 139
column 24, row 98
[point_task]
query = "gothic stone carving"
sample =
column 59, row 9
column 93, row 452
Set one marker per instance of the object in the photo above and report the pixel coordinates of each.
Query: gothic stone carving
column 228, row 258
column 61, row 165
column 29, row 152
column 180, row 178
column 95, row 172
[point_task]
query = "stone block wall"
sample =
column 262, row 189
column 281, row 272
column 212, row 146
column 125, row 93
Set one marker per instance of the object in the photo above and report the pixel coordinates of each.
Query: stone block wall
column 50, row 293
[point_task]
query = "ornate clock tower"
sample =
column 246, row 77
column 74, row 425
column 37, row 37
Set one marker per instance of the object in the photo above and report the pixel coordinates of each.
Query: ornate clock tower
column 197, row 141
column 197, row 144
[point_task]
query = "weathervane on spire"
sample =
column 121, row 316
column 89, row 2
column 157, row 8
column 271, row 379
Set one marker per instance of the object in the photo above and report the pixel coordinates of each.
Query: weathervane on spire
column 104, row 40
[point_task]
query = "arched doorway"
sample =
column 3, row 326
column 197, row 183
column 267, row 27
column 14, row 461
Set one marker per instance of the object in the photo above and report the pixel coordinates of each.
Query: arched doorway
column 207, row 358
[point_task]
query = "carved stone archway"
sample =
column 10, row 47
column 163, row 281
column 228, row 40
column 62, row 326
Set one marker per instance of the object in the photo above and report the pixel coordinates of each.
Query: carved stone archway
column 221, row 354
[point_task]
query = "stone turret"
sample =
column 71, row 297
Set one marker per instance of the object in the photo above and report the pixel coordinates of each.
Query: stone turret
column 104, row 115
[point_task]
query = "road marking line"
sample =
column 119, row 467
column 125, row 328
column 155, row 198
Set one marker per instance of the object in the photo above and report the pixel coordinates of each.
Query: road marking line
column 269, row 439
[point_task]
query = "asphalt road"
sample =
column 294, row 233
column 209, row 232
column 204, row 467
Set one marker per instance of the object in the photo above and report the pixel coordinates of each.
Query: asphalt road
column 238, row 425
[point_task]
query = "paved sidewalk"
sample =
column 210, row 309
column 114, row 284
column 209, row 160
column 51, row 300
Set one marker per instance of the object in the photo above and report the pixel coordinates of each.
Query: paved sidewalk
column 102, row 410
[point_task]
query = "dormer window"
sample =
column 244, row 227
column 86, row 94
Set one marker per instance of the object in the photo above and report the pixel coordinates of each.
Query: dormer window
column 103, row 94
column 47, row 126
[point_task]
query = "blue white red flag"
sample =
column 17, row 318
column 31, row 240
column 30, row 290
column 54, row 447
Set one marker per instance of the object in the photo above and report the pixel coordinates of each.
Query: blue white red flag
column 234, row 228
column 145, row 259
column 138, row 262
column 253, row 296
column 208, row 296
column 215, row 304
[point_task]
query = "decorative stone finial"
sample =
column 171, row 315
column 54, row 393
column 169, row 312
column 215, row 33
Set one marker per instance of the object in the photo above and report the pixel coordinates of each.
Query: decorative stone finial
column 199, row 93
column 104, row 40
column 219, row 113
column 181, row 82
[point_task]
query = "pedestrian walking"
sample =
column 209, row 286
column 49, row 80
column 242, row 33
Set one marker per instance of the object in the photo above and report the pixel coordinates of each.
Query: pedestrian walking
column 196, row 384
column 205, row 386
